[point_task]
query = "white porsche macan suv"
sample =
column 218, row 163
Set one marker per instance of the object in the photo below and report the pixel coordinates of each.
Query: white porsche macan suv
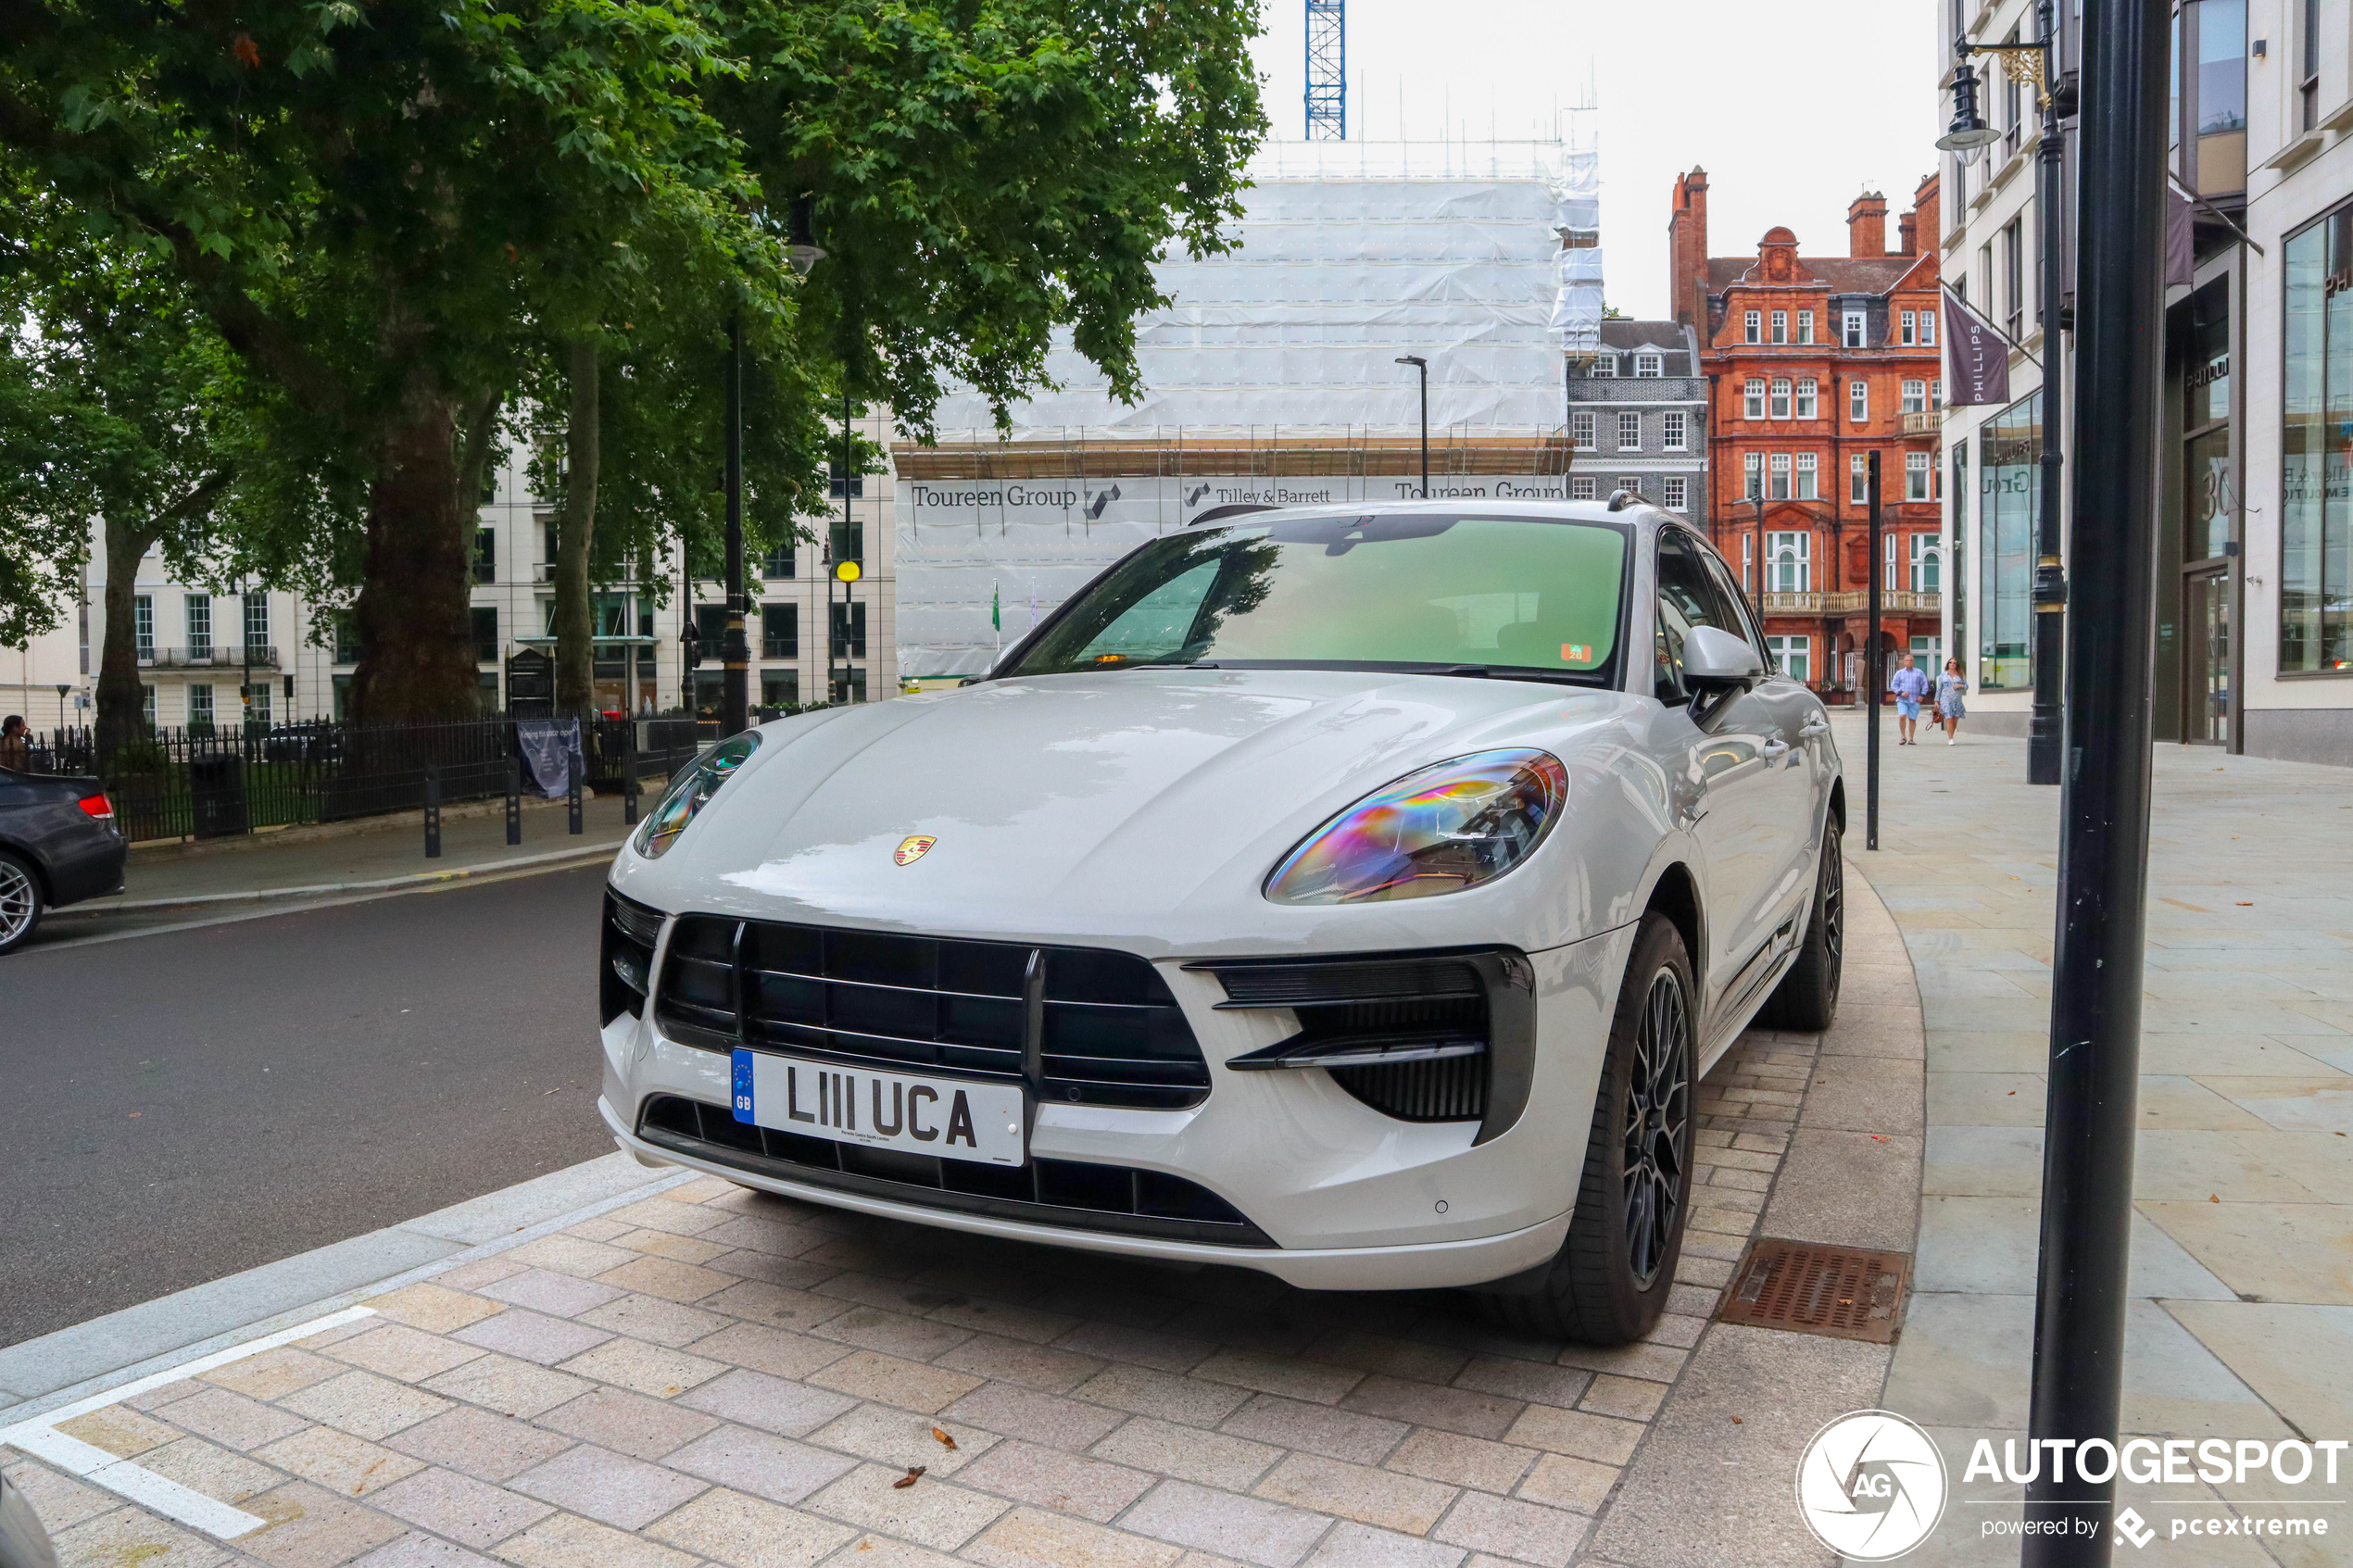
column 1352, row 893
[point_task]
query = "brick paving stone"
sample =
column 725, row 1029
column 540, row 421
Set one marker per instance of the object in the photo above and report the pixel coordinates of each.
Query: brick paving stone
column 1461, row 1462
column 643, row 1369
column 214, row 1470
column 470, row 1511
column 1146, row 1392
column 1235, row 1328
column 667, row 1214
column 773, row 1404
column 1028, row 1538
column 1212, row 1459
column 566, row 1541
column 1018, row 1360
column 1041, row 1418
column 894, row 1334
column 571, row 1255
column 481, row 1271
column 534, row 1336
column 1093, row 1488
column 558, row 1294
column 1336, row 1434
column 336, row 1334
column 779, row 1236
column 1282, row 1375
column 909, row 1384
column 777, row 1351
column 663, row 1244
column 634, row 1424
column 758, row 1302
column 1361, row 1545
column 1139, row 1345
column 931, row 1513
column 409, row 1354
column 789, row 1273
column 1632, row 1398
column 311, row 1528
column 897, row 1437
column 508, row 1387
column 760, row 1462
column 1009, row 1320
column 59, row 1501
column 744, row 1531
column 364, row 1405
column 1422, row 1404
column 599, row 1227
column 610, row 1487
column 1383, row 1498
column 1409, row 1358
column 483, row 1444
column 1524, row 1532
column 667, row 1278
column 131, row 1536
column 1577, row 1433
column 164, row 1393
column 344, row 1464
column 1249, row 1529
column 122, row 1433
column 231, row 1420
column 652, row 1319
column 415, row 1550
column 1533, row 1382
column 433, row 1307
column 274, row 1373
column 1564, row 1482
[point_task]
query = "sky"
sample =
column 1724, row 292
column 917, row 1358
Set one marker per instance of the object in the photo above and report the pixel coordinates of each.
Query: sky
column 1794, row 109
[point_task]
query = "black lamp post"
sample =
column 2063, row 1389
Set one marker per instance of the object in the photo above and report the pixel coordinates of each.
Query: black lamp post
column 2031, row 62
column 1423, row 366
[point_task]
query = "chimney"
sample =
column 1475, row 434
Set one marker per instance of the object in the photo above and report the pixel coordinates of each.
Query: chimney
column 1687, row 250
column 1925, row 216
column 1908, row 235
column 1866, row 225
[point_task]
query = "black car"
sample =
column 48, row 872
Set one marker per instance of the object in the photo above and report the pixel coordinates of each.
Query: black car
column 57, row 845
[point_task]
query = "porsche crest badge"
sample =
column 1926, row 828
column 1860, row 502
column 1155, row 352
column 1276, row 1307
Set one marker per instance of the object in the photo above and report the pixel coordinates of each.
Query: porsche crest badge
column 912, row 849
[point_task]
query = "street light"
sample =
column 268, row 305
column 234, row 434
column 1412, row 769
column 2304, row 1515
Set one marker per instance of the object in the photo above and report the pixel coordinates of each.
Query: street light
column 847, row 572
column 1423, row 366
column 62, row 689
column 2031, row 63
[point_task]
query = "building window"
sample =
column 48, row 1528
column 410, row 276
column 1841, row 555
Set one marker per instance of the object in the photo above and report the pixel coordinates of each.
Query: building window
column 2315, row 523
column 1928, row 329
column 1854, row 330
column 199, row 610
column 779, row 632
column 849, row 685
column 2014, row 277
column 142, row 627
column 147, row 705
column 2009, row 468
column 1918, row 469
column 1649, row 366
column 1792, row 655
column 1580, row 432
column 1908, row 328
column 1806, row 326
column 1629, row 433
column 856, row 487
column 1753, row 471
column 200, row 708
column 777, row 563
column 346, row 637
column 1674, row 493
column 1936, row 392
column 1858, row 480
column 1780, row 326
column 485, row 629
column 2308, row 89
column 780, row 688
column 1809, row 398
column 1606, row 367
column 1631, row 483
column 1778, row 407
column 849, row 543
column 1858, row 402
column 1748, row 563
column 711, row 629
column 850, row 632
column 1672, row 427
column 485, row 567
column 1752, row 398
column 1754, row 324
column 256, row 621
column 1887, row 547
column 1779, row 467
column 1580, row 489
column 1788, row 563
column 258, row 703
column 1916, row 397
column 1808, row 487
column 1927, row 563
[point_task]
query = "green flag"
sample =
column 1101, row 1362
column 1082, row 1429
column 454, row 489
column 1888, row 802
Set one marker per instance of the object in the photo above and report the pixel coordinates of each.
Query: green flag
column 997, row 607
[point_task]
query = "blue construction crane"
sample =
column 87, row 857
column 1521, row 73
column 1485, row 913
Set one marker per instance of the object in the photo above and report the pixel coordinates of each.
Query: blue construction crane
column 1327, row 70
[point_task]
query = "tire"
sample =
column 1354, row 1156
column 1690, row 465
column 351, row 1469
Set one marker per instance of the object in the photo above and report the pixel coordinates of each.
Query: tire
column 21, row 905
column 1805, row 1002
column 1610, row 1281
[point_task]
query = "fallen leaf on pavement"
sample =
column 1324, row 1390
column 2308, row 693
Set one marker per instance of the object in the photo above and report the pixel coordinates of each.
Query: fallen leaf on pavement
column 909, row 1479
column 1738, row 1422
column 946, row 1441
column 2213, row 1197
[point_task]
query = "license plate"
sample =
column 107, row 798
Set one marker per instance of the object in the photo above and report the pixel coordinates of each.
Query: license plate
column 954, row 1117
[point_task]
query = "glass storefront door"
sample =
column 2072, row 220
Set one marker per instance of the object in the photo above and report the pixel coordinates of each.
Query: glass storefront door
column 2205, row 684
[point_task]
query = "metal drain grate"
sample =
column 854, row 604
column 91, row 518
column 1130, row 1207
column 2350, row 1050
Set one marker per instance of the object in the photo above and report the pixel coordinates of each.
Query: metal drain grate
column 1803, row 1287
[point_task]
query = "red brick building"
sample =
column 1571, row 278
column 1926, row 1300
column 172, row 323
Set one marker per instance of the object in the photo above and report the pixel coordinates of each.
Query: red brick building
column 1813, row 363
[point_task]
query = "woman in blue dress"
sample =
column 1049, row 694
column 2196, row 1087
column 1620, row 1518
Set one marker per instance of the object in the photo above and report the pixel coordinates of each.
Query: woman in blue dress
column 1951, row 687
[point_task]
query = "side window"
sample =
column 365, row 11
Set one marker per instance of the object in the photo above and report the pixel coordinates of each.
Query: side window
column 1744, row 622
column 1689, row 595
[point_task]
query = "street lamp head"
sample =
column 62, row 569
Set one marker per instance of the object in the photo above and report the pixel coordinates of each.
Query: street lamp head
column 1968, row 130
column 848, row 572
column 801, row 248
column 1414, row 360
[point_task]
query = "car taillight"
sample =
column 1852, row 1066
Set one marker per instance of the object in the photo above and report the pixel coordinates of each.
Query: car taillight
column 99, row 807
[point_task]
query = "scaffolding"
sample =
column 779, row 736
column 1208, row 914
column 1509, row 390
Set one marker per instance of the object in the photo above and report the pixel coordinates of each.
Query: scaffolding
column 1327, row 70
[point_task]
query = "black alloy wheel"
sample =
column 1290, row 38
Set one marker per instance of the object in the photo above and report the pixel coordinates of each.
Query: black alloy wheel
column 1656, row 1161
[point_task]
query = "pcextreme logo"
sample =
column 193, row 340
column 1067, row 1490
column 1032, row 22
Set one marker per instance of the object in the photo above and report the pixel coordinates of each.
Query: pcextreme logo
column 1870, row 1486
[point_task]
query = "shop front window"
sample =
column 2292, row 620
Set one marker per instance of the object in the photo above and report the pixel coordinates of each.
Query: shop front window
column 2315, row 523
column 2010, row 497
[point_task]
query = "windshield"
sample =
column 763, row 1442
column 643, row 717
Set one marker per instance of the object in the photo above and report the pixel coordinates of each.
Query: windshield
column 1464, row 595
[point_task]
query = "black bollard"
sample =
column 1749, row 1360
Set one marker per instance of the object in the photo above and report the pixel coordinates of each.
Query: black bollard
column 573, row 768
column 628, row 772
column 432, row 810
column 514, row 800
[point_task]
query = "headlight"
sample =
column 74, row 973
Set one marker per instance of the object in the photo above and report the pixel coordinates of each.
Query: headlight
column 1450, row 826
column 688, row 792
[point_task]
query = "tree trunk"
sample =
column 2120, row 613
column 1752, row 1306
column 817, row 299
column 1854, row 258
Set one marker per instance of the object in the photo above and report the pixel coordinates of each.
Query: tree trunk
column 575, row 672
column 122, row 700
column 416, row 643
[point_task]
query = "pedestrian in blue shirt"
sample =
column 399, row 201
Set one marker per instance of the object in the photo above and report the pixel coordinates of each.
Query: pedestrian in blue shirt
column 1909, row 685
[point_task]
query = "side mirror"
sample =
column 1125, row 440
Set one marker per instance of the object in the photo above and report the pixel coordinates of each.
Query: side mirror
column 1716, row 660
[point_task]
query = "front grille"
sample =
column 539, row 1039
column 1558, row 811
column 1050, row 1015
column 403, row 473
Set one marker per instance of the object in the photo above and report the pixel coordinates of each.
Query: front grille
column 625, row 957
column 1078, row 1024
column 1073, row 1192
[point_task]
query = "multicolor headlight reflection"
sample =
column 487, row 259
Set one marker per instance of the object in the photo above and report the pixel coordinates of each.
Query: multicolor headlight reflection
column 689, row 792
column 1448, row 827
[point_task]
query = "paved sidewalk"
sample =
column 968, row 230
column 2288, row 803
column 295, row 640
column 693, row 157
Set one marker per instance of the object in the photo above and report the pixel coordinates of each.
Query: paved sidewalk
column 2242, row 1321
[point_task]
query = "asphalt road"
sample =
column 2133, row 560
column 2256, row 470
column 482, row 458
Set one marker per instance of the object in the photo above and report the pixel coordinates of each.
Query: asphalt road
column 179, row 1106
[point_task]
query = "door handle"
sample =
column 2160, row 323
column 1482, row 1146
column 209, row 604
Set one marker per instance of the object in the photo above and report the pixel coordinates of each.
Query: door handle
column 1775, row 750
column 1816, row 725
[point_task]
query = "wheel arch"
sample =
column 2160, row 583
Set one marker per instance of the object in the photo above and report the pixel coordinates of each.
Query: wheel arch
column 33, row 864
column 1675, row 895
column 1838, row 801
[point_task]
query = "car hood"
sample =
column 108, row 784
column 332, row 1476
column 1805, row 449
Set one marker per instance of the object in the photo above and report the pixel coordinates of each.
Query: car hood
column 1141, row 807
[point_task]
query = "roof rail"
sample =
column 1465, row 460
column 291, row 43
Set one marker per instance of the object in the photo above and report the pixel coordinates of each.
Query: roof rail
column 1620, row 499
